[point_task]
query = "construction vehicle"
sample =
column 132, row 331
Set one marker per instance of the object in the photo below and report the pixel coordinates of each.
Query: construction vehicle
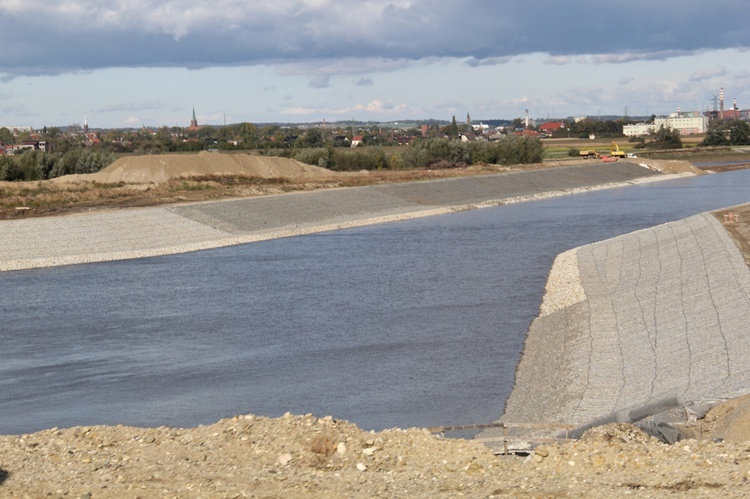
column 591, row 153
column 615, row 151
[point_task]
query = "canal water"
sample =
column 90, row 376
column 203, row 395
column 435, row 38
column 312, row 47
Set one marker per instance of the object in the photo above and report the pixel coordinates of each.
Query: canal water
column 415, row 323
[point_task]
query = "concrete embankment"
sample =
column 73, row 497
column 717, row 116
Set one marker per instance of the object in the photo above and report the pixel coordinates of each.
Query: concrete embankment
column 144, row 232
column 657, row 315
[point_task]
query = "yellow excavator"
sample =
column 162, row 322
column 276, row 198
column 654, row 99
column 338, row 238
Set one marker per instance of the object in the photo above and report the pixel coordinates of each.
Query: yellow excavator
column 615, row 151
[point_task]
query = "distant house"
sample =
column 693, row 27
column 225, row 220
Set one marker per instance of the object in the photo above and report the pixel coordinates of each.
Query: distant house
column 551, row 126
column 26, row 145
column 357, row 140
column 527, row 133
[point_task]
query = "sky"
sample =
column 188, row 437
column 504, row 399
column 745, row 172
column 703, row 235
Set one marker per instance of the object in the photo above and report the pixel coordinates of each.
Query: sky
column 133, row 63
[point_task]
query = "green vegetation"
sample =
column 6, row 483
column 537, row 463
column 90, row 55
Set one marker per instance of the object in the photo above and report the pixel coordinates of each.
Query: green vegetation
column 728, row 133
column 508, row 151
column 35, row 164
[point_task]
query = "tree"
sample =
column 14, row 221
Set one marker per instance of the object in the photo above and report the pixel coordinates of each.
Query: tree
column 666, row 138
column 739, row 133
column 453, row 130
column 715, row 136
column 164, row 138
column 313, row 137
column 248, row 133
column 6, row 137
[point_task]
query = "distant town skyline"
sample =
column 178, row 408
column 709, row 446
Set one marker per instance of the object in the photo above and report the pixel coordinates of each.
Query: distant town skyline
column 130, row 64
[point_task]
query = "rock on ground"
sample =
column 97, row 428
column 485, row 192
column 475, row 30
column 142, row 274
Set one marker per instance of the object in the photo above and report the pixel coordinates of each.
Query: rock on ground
column 306, row 456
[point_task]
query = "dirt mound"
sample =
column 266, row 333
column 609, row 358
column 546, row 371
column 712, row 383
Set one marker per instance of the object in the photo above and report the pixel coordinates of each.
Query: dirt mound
column 306, row 456
column 163, row 167
column 669, row 165
column 728, row 421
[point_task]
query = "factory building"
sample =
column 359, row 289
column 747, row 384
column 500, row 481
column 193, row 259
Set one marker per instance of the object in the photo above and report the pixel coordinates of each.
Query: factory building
column 688, row 123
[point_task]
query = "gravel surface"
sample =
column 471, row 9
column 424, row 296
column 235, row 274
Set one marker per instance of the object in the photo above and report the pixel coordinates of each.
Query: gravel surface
column 305, row 456
column 144, row 232
column 654, row 318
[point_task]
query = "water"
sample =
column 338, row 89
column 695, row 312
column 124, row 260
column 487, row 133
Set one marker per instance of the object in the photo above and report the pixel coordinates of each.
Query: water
column 414, row 323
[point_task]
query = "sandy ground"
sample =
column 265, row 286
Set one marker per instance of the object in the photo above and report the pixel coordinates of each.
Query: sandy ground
column 154, row 169
column 307, row 456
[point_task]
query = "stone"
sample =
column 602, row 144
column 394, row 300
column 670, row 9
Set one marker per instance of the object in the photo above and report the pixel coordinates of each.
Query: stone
column 283, row 459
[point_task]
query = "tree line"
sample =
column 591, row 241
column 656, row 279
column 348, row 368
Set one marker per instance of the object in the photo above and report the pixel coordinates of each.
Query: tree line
column 727, row 133
column 422, row 153
column 35, row 164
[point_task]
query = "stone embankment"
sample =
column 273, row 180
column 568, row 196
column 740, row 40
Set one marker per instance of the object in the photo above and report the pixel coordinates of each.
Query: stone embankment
column 638, row 324
column 144, row 232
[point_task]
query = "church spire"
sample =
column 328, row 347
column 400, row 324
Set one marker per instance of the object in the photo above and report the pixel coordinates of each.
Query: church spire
column 194, row 122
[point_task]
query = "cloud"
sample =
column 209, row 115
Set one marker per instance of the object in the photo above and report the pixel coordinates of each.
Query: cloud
column 559, row 60
column 622, row 58
column 50, row 36
column 705, row 74
column 363, row 82
column 130, row 107
column 374, row 107
column 320, row 81
column 488, row 61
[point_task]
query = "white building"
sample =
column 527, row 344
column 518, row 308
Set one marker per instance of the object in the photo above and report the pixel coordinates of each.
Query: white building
column 687, row 123
column 638, row 129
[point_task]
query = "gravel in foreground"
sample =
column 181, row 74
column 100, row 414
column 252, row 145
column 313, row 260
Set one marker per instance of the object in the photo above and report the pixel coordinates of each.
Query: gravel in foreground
column 305, row 456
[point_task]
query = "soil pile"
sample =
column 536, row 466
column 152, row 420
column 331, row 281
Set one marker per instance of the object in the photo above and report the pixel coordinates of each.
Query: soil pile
column 669, row 165
column 163, row 167
column 305, row 456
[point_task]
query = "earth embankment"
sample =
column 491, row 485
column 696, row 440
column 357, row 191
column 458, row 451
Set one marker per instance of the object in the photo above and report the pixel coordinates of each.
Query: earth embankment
column 651, row 319
column 142, row 232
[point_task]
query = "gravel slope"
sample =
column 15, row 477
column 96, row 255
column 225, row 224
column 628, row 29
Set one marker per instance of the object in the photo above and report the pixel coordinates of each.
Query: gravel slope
column 657, row 317
column 143, row 232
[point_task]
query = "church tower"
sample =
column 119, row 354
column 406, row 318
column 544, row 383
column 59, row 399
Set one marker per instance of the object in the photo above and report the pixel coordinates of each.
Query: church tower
column 193, row 122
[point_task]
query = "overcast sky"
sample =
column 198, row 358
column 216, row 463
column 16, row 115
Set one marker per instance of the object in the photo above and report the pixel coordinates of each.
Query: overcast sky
column 148, row 62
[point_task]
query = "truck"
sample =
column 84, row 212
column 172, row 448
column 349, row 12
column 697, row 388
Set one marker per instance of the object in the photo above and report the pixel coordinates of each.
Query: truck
column 589, row 153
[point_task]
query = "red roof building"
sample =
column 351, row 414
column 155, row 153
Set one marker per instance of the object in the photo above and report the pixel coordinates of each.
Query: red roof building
column 551, row 126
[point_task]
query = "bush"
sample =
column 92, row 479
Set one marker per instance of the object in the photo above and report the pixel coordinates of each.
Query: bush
column 365, row 158
column 508, row 151
column 40, row 165
column 9, row 169
column 319, row 156
column 573, row 152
